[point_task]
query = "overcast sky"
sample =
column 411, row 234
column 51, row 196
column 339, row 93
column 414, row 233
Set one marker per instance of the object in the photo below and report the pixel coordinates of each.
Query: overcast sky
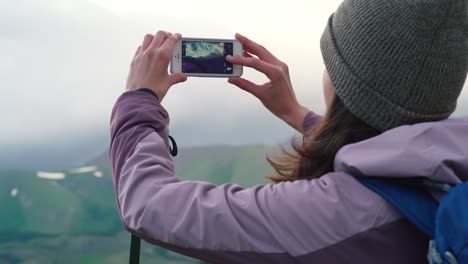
column 64, row 63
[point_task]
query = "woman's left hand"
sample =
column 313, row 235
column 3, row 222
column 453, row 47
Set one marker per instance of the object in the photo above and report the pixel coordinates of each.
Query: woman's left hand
column 277, row 95
column 149, row 66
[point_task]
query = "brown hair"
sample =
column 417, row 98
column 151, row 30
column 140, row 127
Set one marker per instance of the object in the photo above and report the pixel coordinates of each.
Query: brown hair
column 314, row 157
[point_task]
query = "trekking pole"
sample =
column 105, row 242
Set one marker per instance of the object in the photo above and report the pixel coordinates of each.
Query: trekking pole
column 136, row 241
column 135, row 250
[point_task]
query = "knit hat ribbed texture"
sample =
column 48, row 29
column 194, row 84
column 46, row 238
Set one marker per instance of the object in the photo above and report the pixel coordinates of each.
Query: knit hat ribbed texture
column 398, row 62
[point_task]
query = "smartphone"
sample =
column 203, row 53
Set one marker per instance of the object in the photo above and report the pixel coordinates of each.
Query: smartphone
column 206, row 57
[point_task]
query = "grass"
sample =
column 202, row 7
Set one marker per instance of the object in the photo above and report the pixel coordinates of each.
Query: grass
column 75, row 220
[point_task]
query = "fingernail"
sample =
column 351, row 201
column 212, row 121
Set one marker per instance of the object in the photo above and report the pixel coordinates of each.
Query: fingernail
column 228, row 57
column 178, row 35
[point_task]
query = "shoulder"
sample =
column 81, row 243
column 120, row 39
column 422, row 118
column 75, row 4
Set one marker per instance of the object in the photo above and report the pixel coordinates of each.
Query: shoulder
column 329, row 210
column 341, row 194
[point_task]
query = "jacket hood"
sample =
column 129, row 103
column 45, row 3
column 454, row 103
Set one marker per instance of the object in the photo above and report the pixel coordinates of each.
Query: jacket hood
column 435, row 150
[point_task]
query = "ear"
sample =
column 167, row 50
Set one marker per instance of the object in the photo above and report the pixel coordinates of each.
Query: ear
column 329, row 91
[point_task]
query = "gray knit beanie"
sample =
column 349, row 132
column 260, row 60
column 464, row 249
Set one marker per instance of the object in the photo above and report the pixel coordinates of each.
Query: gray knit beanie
column 397, row 62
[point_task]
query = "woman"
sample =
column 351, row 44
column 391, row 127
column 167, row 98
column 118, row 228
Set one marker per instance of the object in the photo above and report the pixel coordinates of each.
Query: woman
column 394, row 71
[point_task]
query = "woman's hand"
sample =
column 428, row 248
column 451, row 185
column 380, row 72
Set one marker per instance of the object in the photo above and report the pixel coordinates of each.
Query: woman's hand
column 277, row 95
column 149, row 66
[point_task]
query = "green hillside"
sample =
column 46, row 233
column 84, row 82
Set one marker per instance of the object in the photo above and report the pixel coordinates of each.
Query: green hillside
column 75, row 220
column 245, row 165
column 30, row 211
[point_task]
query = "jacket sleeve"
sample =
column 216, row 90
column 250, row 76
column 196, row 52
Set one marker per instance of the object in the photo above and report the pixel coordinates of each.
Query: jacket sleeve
column 218, row 224
column 311, row 120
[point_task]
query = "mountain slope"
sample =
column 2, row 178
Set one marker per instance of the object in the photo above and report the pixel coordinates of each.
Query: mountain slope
column 55, row 221
column 245, row 165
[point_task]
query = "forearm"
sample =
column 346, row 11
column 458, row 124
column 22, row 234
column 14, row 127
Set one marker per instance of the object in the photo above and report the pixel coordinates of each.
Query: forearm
column 135, row 115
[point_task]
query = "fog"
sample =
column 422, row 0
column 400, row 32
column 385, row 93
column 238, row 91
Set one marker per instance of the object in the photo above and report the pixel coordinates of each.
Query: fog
column 64, row 63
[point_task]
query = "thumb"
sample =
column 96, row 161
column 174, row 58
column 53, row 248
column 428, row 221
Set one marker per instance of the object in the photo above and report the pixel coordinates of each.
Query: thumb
column 177, row 78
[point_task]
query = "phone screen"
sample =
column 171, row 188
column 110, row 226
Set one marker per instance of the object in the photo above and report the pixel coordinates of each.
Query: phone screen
column 206, row 57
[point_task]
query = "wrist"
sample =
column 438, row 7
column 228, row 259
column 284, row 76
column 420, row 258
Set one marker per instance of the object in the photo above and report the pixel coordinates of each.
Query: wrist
column 149, row 91
column 295, row 117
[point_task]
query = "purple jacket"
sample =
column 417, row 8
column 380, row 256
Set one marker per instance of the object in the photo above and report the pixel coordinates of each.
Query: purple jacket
column 333, row 219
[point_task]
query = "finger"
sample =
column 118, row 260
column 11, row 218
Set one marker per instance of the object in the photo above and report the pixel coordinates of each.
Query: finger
column 255, row 63
column 246, row 85
column 159, row 39
column 165, row 51
column 246, row 54
column 170, row 42
column 137, row 51
column 146, row 41
column 256, row 49
column 177, row 78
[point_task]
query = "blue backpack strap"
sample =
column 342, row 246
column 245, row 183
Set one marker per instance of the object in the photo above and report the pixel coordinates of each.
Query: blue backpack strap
column 451, row 237
column 410, row 198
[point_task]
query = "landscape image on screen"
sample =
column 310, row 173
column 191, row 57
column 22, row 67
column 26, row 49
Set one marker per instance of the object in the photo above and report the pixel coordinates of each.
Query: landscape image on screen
column 206, row 57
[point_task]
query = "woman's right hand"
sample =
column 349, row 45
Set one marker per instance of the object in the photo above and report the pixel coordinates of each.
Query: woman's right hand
column 277, row 95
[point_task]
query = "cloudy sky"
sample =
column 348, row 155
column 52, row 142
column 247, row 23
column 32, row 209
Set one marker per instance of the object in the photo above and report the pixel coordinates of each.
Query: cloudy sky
column 64, row 63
